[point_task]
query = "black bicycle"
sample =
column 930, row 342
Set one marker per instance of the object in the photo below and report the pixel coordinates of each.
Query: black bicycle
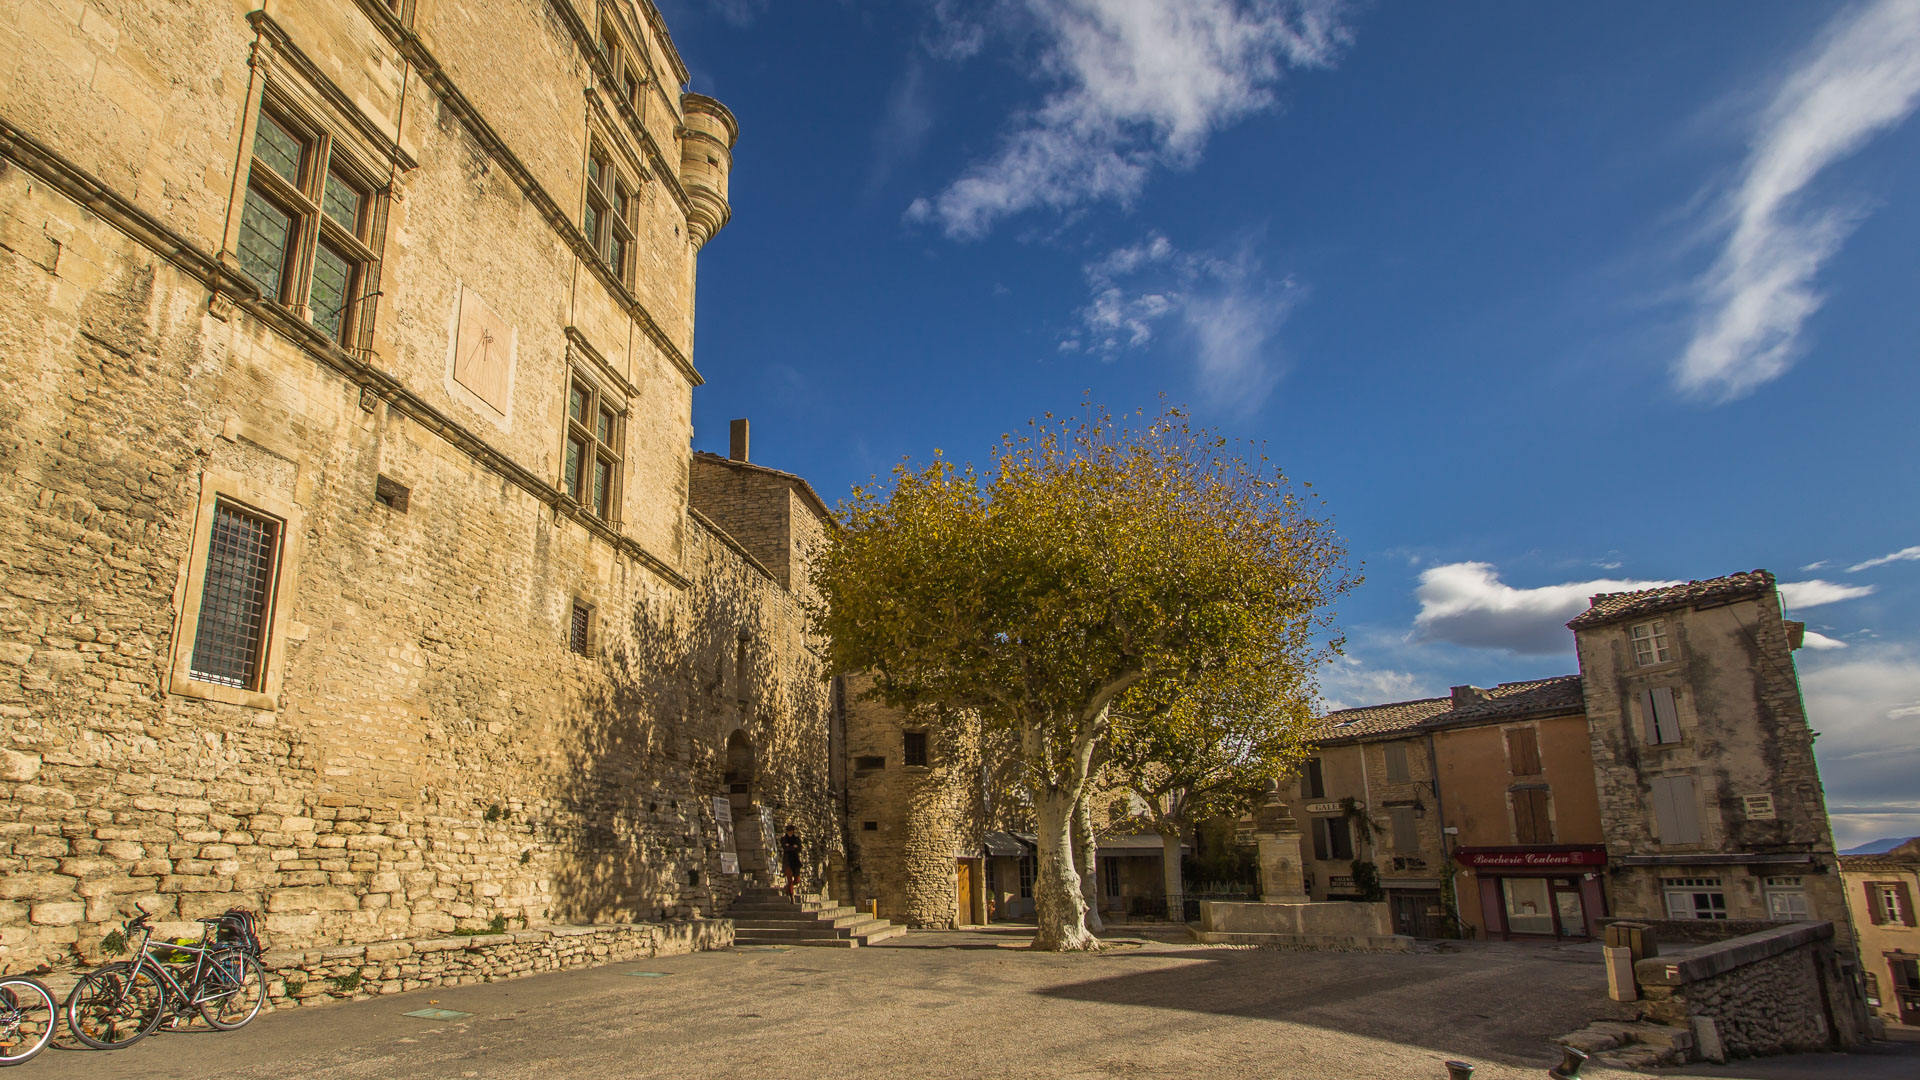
column 121, row 1003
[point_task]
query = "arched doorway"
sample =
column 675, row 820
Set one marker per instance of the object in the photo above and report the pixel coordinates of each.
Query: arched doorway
column 749, row 827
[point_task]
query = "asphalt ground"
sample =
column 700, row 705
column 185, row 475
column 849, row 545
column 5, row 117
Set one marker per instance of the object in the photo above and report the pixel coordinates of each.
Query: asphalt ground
column 966, row 1004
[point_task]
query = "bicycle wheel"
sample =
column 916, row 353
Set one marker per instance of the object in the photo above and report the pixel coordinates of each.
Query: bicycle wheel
column 234, row 989
column 28, row 1015
column 116, row 1006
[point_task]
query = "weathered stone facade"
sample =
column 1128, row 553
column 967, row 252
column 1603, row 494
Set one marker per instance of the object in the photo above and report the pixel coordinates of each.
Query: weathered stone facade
column 479, row 688
column 1702, row 734
column 1783, row 990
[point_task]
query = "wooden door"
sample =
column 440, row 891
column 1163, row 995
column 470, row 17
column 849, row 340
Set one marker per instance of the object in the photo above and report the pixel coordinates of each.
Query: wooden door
column 963, row 889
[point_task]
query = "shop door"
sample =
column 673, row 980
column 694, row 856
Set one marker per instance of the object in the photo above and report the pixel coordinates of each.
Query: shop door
column 1906, row 987
column 1419, row 914
column 1570, row 912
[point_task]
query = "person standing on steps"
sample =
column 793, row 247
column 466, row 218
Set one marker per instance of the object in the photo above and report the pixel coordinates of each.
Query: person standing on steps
column 790, row 858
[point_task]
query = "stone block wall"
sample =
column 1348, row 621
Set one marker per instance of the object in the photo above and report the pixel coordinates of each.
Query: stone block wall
column 1784, row 990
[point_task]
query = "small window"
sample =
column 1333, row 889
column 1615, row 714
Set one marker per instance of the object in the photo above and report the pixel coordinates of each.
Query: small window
column 1397, row 771
column 590, row 461
column 1314, row 782
column 391, row 494
column 630, row 85
column 1523, row 751
column 1406, row 836
column 1888, row 903
column 1659, row 716
column 914, row 752
column 1110, row 873
column 1026, row 877
column 1694, row 898
column 869, row 762
column 1650, row 643
column 869, row 826
column 580, row 629
column 236, row 602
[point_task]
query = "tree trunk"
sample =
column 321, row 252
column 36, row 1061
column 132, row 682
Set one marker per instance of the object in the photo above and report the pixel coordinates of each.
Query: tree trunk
column 1170, row 874
column 1085, row 859
column 1057, row 905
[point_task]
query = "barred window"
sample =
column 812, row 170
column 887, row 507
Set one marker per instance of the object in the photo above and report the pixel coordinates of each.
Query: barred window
column 914, row 752
column 306, row 225
column 580, row 629
column 230, row 644
column 591, row 458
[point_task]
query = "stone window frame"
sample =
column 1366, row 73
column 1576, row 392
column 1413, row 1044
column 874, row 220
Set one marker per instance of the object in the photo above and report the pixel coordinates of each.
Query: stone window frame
column 583, row 627
column 247, row 495
column 1654, row 721
column 1785, row 887
column 597, row 447
column 1880, row 912
column 608, row 208
column 908, row 740
column 331, row 147
column 1405, row 759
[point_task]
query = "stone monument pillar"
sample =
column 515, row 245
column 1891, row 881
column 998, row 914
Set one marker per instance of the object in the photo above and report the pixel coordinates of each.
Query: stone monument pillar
column 1282, row 869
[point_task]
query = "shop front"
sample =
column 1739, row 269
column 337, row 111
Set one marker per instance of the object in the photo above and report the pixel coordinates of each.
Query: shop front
column 1550, row 892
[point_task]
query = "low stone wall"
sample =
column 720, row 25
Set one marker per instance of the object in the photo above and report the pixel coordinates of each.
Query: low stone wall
column 1782, row 990
column 1330, row 924
column 323, row 976
column 1676, row 933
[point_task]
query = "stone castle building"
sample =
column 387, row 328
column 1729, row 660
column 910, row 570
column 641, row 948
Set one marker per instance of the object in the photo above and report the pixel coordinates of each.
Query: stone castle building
column 356, row 569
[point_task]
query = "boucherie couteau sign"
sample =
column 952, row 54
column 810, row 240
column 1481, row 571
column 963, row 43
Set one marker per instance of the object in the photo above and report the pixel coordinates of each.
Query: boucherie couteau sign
column 1529, row 858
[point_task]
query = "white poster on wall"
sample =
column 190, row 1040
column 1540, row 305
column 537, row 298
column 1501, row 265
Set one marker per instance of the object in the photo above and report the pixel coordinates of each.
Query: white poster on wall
column 723, row 825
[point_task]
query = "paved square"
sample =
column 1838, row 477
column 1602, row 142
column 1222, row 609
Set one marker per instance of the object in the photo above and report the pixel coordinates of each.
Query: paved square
column 934, row 1006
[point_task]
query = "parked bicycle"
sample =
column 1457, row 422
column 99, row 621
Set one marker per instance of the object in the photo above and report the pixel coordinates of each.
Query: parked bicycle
column 221, row 976
column 28, row 1015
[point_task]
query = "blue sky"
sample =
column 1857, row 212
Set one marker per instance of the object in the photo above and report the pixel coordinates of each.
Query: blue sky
column 1538, row 297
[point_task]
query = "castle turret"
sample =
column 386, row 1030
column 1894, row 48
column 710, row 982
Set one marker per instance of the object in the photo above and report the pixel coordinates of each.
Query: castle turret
column 706, row 157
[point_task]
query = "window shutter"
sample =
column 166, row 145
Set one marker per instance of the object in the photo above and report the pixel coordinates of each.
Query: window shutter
column 1874, row 914
column 1649, row 732
column 1666, row 718
column 1906, row 903
column 1397, row 762
column 1404, row 836
column 1542, row 823
column 1523, row 752
column 1316, row 788
column 1522, row 818
column 1320, row 843
column 1675, row 810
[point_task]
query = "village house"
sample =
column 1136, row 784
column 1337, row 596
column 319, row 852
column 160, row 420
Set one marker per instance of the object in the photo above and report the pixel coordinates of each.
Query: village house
column 1881, row 890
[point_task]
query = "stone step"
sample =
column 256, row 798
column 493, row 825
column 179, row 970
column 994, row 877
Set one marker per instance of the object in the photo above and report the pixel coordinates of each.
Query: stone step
column 795, row 921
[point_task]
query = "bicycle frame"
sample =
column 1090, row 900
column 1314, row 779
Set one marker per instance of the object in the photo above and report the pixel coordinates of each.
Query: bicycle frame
column 193, row 993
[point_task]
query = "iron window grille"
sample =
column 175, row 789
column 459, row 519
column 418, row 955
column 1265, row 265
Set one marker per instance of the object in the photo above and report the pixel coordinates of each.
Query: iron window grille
column 236, row 600
column 307, row 225
column 591, row 468
column 580, row 629
column 914, row 750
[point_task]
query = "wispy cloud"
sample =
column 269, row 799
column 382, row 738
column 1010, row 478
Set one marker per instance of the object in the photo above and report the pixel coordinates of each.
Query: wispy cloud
column 904, row 126
column 1347, row 682
column 1806, row 594
column 1138, row 85
column 1866, row 705
column 1221, row 305
column 1862, row 78
column 1466, row 603
column 1819, row 642
column 1911, row 554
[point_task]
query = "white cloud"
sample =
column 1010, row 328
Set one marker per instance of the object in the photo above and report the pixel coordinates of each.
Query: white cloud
column 1139, row 85
column 1911, row 554
column 1226, row 308
column 1346, row 682
column 1812, row 566
column 1861, row 79
column 1812, row 639
column 1466, row 603
column 1806, row 594
column 1866, row 706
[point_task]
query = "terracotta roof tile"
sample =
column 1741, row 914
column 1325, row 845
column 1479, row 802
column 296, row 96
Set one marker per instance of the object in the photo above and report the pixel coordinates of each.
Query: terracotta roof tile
column 1560, row 693
column 1904, row 857
column 1379, row 719
column 1610, row 607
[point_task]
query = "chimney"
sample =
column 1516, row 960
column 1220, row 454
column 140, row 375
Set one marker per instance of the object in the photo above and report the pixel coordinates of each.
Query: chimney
column 737, row 440
column 1468, row 695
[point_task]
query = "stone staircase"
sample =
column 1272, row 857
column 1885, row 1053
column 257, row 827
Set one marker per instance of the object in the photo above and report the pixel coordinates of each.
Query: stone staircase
column 764, row 916
column 1635, row 1045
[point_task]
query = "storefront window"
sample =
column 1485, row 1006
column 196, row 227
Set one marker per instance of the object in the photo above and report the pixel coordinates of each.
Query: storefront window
column 1528, row 908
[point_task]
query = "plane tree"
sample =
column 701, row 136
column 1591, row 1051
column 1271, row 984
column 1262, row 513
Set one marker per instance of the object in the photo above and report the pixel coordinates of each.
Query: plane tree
column 1095, row 564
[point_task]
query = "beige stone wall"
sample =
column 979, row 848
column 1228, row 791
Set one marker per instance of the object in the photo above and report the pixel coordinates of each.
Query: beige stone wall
column 1888, row 941
column 924, row 818
column 1343, row 774
column 427, row 753
column 1743, row 731
column 1424, row 864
